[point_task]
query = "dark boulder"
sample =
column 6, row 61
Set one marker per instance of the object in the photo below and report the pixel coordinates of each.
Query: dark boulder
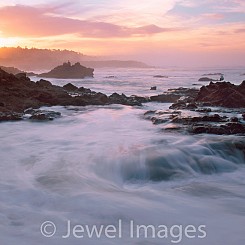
column 70, row 87
column 84, row 90
column 44, row 83
column 234, row 119
column 154, row 88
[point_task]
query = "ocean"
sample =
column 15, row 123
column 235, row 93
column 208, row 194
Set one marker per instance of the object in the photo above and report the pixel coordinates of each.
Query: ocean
column 105, row 175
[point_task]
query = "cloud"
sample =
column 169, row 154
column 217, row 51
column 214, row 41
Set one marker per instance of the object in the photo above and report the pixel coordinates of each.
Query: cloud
column 240, row 30
column 26, row 21
column 223, row 11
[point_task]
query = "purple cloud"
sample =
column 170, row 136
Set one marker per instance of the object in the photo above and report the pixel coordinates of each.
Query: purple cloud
column 28, row 21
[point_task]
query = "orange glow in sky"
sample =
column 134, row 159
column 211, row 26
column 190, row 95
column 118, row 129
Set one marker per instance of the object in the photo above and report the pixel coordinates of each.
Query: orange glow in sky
column 159, row 32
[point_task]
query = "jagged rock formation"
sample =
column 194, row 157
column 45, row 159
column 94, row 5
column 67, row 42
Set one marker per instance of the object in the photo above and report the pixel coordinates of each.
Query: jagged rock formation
column 223, row 94
column 18, row 93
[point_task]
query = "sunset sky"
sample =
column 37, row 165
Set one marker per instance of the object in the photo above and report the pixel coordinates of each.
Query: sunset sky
column 158, row 32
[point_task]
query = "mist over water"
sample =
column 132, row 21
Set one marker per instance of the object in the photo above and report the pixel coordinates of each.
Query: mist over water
column 101, row 164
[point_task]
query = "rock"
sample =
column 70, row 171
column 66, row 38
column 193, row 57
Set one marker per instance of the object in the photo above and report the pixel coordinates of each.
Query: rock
column 11, row 70
column 100, row 99
column 178, row 106
column 70, row 87
column 204, row 110
column 208, row 129
column 160, row 76
column 139, row 99
column 213, row 74
column 68, row 71
column 228, row 129
column 31, row 74
column 158, row 120
column 191, row 106
column 222, row 94
column 165, row 98
column 84, row 90
column 44, row 115
column 206, row 79
column 154, row 88
column 243, row 116
column 110, row 77
column 17, row 94
column 10, row 116
column 21, row 75
column 213, row 118
column 234, row 119
column 235, row 128
column 44, row 83
column 116, row 98
column 149, row 112
column 191, row 120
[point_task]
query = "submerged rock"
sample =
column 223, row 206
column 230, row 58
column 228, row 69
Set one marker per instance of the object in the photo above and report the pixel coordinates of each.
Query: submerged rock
column 206, row 79
column 160, row 76
column 41, row 115
column 10, row 116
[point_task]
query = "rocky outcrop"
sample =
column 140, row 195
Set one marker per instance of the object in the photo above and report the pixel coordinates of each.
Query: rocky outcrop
column 206, row 79
column 187, row 95
column 165, row 98
column 68, row 71
column 18, row 93
column 223, row 94
column 208, row 124
column 227, row 129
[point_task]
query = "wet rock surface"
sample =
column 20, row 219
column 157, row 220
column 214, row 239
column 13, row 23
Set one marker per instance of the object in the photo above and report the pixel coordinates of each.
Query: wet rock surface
column 223, row 94
column 209, row 123
column 18, row 93
column 42, row 115
column 176, row 95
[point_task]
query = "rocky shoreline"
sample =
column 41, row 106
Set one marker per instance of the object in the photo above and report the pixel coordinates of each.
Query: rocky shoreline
column 18, row 94
column 21, row 98
column 196, row 113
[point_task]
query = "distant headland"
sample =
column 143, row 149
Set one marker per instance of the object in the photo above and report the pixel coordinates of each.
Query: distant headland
column 34, row 59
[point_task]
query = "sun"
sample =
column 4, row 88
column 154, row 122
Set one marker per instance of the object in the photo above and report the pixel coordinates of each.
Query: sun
column 8, row 42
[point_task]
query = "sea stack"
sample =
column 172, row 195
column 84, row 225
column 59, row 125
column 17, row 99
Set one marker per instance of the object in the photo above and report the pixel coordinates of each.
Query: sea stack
column 68, row 71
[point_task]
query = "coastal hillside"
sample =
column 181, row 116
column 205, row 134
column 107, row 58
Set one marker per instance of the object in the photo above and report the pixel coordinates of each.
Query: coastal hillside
column 45, row 59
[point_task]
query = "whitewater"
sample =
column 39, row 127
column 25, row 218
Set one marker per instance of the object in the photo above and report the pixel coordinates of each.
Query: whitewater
column 105, row 175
